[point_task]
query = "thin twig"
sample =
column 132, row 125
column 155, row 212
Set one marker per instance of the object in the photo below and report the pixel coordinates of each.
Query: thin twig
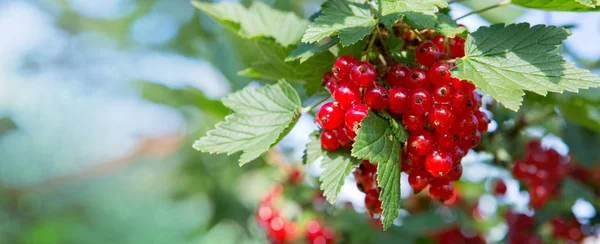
column 314, row 105
column 386, row 50
column 500, row 4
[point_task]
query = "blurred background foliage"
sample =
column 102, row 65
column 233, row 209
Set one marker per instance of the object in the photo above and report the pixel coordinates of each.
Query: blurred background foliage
column 100, row 102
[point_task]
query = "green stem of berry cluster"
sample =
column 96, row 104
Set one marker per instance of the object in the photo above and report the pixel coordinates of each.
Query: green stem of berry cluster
column 314, row 105
column 500, row 4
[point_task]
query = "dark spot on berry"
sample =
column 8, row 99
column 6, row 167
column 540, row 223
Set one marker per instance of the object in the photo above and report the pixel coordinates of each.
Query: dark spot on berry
column 423, row 50
column 443, row 73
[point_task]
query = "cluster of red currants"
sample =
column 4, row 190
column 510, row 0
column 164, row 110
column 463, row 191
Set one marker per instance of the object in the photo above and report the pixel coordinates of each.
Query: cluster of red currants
column 281, row 230
column 542, row 169
column 567, row 229
column 454, row 234
column 440, row 112
column 366, row 181
column 521, row 229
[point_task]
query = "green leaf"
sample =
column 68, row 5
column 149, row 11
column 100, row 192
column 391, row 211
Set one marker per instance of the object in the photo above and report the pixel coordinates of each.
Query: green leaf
column 376, row 141
column 418, row 14
column 259, row 20
column 399, row 132
column 266, row 60
column 504, row 14
column 583, row 144
column 187, row 96
column 350, row 20
column 313, row 150
column 504, row 61
column 264, row 38
column 559, row 5
column 337, row 165
column 307, row 50
column 448, row 27
column 261, row 117
column 573, row 190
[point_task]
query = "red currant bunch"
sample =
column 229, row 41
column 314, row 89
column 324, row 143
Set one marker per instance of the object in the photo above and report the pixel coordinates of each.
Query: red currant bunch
column 542, row 170
column 317, row 233
column 277, row 228
column 521, row 229
column 441, row 113
column 366, row 181
column 567, row 229
column 453, row 234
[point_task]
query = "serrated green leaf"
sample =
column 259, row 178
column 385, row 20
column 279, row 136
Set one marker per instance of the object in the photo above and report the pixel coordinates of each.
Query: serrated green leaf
column 503, row 14
column 559, row 5
column 264, row 38
column 448, row 27
column 421, row 13
column 583, row 144
column 313, row 150
column 504, row 61
column 336, row 166
column 350, row 20
column 399, row 131
column 260, row 118
column 574, row 190
column 259, row 20
column 376, row 141
column 187, row 96
column 266, row 60
column 308, row 50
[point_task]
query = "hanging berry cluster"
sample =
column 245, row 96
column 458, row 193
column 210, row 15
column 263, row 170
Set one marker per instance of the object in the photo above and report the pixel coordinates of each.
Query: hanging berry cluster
column 366, row 181
column 521, row 229
column 542, row 169
column 281, row 230
column 440, row 112
column 568, row 229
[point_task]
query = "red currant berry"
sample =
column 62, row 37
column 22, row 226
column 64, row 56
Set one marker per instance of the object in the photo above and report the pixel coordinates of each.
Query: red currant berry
column 439, row 42
column 398, row 75
column 465, row 126
column 377, row 97
column 499, row 188
column 342, row 137
column 474, row 139
column 329, row 82
column 420, row 101
column 347, row 95
column 441, row 118
column 363, row 74
column 264, row 214
column 438, row 163
column 329, row 140
column 420, row 143
column 413, row 122
column 439, row 73
column 446, row 141
column 443, row 94
column 342, row 67
column 427, row 53
column 417, row 79
column 330, row 116
column 419, row 180
column 411, row 162
column 398, row 100
column 538, row 195
column 457, row 154
column 441, row 189
column 520, row 170
column 355, row 115
column 482, row 121
column 455, row 173
column 276, row 229
column 462, row 85
column 372, row 202
column 457, row 47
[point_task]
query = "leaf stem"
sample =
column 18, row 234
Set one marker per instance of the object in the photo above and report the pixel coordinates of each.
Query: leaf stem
column 371, row 42
column 314, row 105
column 386, row 50
column 500, row 4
